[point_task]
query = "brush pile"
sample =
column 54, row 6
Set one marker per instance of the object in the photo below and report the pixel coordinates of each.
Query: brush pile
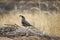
column 16, row 31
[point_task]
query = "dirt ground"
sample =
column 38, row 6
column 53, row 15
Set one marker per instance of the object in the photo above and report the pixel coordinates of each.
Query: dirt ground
column 27, row 38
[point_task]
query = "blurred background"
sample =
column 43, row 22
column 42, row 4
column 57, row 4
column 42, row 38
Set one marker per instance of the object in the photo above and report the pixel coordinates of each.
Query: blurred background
column 43, row 14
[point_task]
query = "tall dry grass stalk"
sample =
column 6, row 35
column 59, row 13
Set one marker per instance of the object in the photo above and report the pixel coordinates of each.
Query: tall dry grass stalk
column 50, row 24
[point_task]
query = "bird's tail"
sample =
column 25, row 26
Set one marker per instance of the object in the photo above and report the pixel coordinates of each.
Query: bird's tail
column 34, row 27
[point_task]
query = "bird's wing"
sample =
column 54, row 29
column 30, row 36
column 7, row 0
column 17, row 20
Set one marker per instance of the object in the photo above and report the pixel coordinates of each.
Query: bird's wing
column 26, row 22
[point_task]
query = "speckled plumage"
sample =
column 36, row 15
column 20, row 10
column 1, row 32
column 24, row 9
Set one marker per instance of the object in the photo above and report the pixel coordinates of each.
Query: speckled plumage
column 24, row 22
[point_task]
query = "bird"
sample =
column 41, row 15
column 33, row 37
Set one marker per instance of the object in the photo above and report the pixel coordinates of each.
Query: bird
column 24, row 21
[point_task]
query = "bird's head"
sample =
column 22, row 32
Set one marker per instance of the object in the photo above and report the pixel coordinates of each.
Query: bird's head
column 22, row 16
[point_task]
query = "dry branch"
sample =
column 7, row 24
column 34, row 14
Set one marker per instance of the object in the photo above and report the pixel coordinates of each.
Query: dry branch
column 16, row 30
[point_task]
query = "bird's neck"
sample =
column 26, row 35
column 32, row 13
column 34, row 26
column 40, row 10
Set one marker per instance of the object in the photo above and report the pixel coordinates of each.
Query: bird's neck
column 23, row 18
